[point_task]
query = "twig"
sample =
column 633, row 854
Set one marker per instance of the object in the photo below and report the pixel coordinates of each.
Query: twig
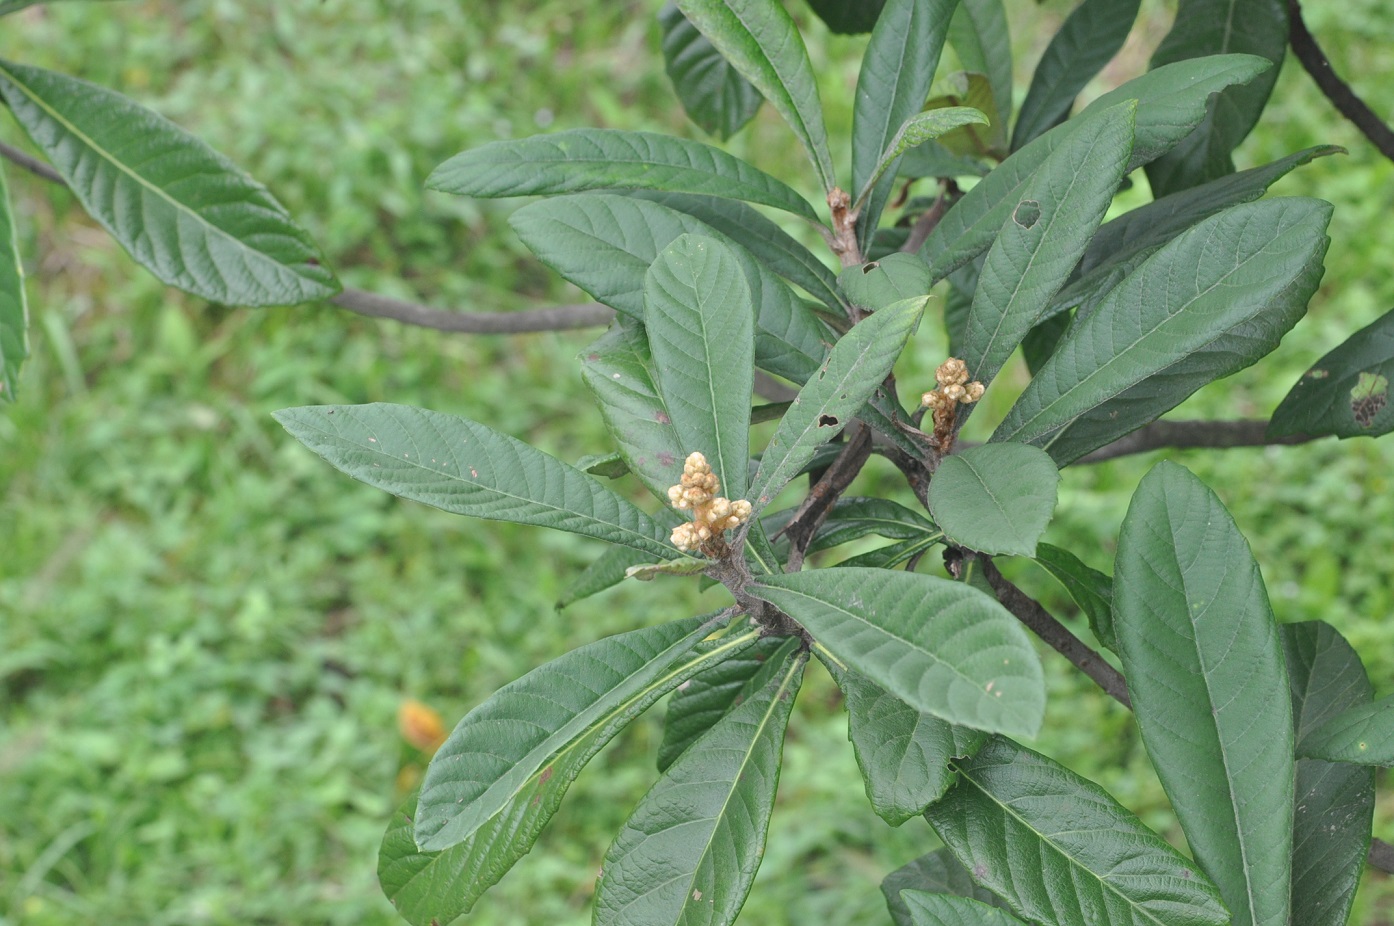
column 1187, row 434
column 557, row 318
column 1305, row 47
column 1040, row 622
column 824, row 494
column 33, row 165
column 929, row 219
column 1381, row 857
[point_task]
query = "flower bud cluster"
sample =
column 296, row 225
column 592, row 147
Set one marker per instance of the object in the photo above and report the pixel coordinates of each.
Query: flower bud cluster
column 954, row 387
column 711, row 514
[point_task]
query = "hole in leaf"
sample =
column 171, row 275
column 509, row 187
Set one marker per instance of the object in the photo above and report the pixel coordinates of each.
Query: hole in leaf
column 1027, row 213
column 867, row 268
column 1368, row 397
column 827, row 421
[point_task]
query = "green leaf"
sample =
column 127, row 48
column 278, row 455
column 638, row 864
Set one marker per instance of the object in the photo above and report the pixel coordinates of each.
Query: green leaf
column 1335, row 801
column 879, row 283
column 1060, row 849
column 604, row 243
column 182, row 210
column 610, row 159
column 943, row 910
column 1091, row 35
column 1059, row 209
column 607, row 465
column 932, row 159
column 903, row 753
column 504, row 770
column 889, row 557
column 464, row 467
column 938, row 872
column 1361, row 735
column 857, row 365
column 700, row 322
column 760, row 41
column 940, row 646
column 1121, row 245
column 997, row 498
column 969, row 88
column 1091, row 589
column 917, row 130
column 690, row 850
column 1205, row 670
column 769, row 244
column 698, row 703
column 1217, row 27
column 1170, row 102
column 848, row 17
column 896, row 73
column 982, row 39
column 1347, row 392
column 713, row 93
column 852, row 518
column 647, row 572
column 14, row 309
column 620, row 373
column 606, row 571
column 1212, row 301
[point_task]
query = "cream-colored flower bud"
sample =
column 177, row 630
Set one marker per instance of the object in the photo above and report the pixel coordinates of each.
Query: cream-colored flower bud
column 740, row 510
column 718, row 510
column 952, row 372
column 696, row 463
column 954, row 392
column 975, row 392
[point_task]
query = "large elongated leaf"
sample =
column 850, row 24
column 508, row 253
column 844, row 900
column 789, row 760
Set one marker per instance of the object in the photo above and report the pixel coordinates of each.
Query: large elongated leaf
column 857, row 364
column 182, row 210
column 504, row 770
column 701, row 322
column 1060, row 207
column 1090, row 36
column 1171, row 100
column 1363, row 735
column 464, row 467
column 982, row 39
column 1205, row 670
column 14, row 310
column 1347, row 392
column 1335, row 801
column 1212, row 301
column 896, row 73
column 610, row 159
column 1059, row 849
column 852, row 518
column 1091, row 589
column 1218, row 27
column 604, row 243
column 997, row 498
column 848, row 17
column 1125, row 242
column 939, row 872
column 713, row 93
column 690, row 850
column 942, row 647
column 903, row 753
column 917, row 130
column 945, row 910
column 606, row 571
column 879, row 283
column 760, row 41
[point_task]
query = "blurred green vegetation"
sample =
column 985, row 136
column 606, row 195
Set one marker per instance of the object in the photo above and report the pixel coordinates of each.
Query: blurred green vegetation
column 205, row 633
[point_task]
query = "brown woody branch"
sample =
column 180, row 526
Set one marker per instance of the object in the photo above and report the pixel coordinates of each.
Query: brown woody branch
column 1305, row 47
column 824, row 494
column 33, row 165
column 1182, row 435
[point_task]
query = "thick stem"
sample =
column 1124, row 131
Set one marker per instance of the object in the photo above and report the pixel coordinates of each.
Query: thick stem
column 556, row 318
column 824, row 494
column 1305, row 47
column 1190, row 434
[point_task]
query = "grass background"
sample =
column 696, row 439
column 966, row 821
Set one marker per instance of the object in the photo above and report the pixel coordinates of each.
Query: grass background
column 205, row 633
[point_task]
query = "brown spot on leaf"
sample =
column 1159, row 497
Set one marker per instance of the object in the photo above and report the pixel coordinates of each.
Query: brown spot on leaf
column 666, row 459
column 1368, row 397
column 662, row 417
column 979, row 872
column 1315, row 373
column 546, row 776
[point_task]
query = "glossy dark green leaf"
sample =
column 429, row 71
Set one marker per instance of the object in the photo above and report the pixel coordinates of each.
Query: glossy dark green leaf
column 698, row 703
column 1041, row 341
column 997, row 498
column 934, row 160
column 1362, row 735
column 1205, row 670
column 945, row 910
column 891, row 556
column 14, row 310
column 903, row 753
column 852, row 518
column 857, row 365
column 848, row 17
column 1346, row 393
column 607, row 465
column 604, row 243
column 1091, row 589
column 896, row 73
column 713, row 93
column 1058, row 210
column 464, row 467
column 1219, row 27
column 760, row 40
column 982, row 39
column 1212, row 301
column 938, row 872
column 1060, row 850
column 700, row 321
column 1170, row 101
column 940, row 646
column 1335, row 801
column 182, row 210
column 1090, row 36
column 1122, row 244
column 689, row 852
column 606, row 571
column 879, row 283
column 610, row 159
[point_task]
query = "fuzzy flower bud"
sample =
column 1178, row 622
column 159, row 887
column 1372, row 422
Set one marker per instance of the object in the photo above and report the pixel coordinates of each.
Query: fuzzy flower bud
column 952, row 372
column 975, row 392
column 711, row 514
